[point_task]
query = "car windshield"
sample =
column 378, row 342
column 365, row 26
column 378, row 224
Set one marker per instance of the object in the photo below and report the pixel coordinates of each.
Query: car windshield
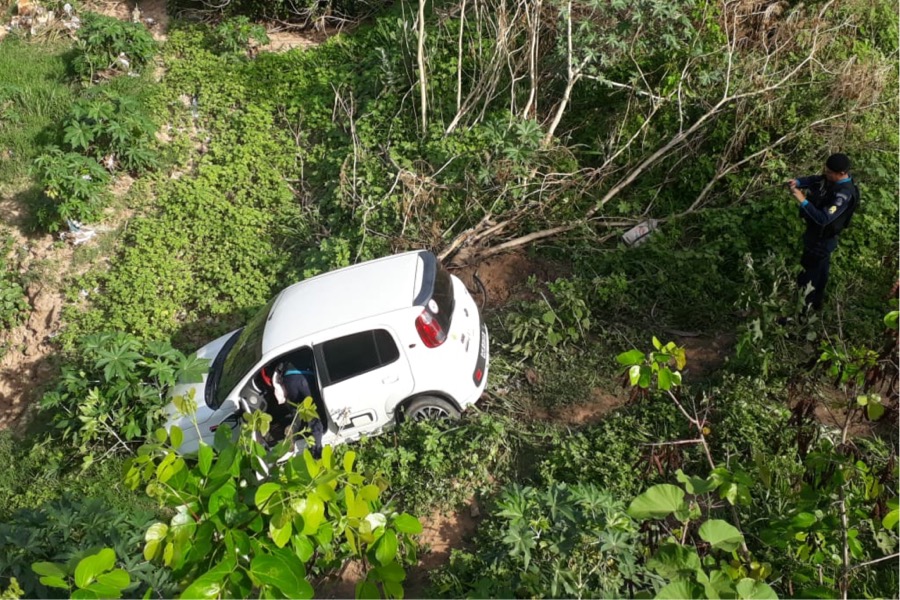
column 244, row 354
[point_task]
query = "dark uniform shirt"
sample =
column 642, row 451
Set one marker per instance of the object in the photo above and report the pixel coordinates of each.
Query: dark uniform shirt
column 826, row 210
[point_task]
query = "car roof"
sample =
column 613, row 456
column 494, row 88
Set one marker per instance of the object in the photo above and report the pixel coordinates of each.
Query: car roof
column 346, row 295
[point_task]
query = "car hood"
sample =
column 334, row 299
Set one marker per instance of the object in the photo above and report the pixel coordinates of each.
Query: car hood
column 204, row 412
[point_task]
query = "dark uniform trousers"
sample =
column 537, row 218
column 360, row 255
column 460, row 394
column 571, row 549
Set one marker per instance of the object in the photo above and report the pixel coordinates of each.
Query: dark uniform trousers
column 816, row 263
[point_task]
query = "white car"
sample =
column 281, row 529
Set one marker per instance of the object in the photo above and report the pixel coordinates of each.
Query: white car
column 382, row 340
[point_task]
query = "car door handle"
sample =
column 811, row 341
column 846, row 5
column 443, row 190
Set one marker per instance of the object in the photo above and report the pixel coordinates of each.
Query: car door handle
column 390, row 379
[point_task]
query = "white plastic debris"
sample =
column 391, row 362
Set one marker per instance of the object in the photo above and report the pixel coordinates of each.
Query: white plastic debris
column 639, row 234
column 67, row 8
column 78, row 234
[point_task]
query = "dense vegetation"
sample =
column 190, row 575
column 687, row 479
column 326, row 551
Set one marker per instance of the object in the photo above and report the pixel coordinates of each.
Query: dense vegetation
column 543, row 128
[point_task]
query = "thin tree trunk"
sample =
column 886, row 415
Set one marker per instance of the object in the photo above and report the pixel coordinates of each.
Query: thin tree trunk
column 422, row 76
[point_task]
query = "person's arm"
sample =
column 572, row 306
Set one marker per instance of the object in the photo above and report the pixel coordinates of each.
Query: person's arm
column 808, row 182
column 828, row 213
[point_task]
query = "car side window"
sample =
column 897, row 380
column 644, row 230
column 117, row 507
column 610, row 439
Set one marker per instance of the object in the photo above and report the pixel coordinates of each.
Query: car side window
column 357, row 353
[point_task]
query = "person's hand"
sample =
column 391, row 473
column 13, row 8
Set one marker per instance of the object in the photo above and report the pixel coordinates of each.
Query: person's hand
column 798, row 193
column 791, row 183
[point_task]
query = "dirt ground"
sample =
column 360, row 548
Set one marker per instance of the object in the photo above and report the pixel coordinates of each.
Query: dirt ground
column 442, row 532
column 27, row 362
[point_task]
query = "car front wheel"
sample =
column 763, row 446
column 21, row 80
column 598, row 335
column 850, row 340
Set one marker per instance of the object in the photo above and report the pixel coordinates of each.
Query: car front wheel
column 430, row 408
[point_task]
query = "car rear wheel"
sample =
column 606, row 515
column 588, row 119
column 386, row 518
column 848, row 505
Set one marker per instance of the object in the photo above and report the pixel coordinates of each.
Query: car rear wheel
column 430, row 408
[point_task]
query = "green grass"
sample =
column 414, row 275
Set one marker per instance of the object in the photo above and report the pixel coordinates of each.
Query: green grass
column 36, row 91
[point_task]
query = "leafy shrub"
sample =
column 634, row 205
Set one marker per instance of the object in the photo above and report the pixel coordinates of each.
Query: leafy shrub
column 113, row 128
column 260, row 520
column 613, row 454
column 67, row 530
column 433, row 465
column 75, row 186
column 557, row 321
column 108, row 45
column 45, row 471
column 238, row 36
column 114, row 390
column 13, row 304
column 221, row 240
column 560, row 541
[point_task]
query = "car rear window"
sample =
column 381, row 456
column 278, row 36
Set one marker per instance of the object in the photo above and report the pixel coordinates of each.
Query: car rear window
column 358, row 353
column 443, row 298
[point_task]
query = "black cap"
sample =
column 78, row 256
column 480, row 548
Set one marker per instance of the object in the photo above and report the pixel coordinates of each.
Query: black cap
column 838, row 163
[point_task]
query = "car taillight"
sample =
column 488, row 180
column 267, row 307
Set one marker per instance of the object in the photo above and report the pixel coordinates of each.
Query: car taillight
column 430, row 330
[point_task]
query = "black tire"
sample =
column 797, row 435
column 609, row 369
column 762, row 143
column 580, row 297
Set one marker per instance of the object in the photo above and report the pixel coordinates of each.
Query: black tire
column 430, row 408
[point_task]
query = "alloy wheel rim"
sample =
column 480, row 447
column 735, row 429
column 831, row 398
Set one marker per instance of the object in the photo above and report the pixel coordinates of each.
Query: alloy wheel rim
column 431, row 412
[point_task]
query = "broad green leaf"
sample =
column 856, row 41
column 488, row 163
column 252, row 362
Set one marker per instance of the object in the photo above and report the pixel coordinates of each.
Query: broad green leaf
column 632, row 357
column 348, row 461
column 717, row 585
column 157, row 531
column 694, row 485
column 281, row 535
column 204, row 458
column 151, row 549
column 386, row 550
column 99, row 590
column 210, row 584
column 313, row 514
column 117, row 578
column 874, row 410
column 326, row 492
column 634, row 374
column 656, row 343
column 750, row 589
column 680, row 358
column 86, row 595
column 182, row 526
column 644, row 380
column 312, row 465
column 658, row 502
column 303, row 546
column 284, row 571
column 672, row 561
column 405, row 523
column 225, row 460
column 391, row 572
column 369, row 493
column 48, row 569
column 392, row 589
column 664, row 379
column 53, row 581
column 351, row 540
column 160, row 435
column 679, row 590
column 721, row 534
column 176, row 435
column 890, row 519
column 803, row 520
column 263, row 494
column 891, row 319
column 90, row 566
column 367, row 591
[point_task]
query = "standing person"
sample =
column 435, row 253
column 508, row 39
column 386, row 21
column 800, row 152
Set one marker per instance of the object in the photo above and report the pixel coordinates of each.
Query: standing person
column 827, row 202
